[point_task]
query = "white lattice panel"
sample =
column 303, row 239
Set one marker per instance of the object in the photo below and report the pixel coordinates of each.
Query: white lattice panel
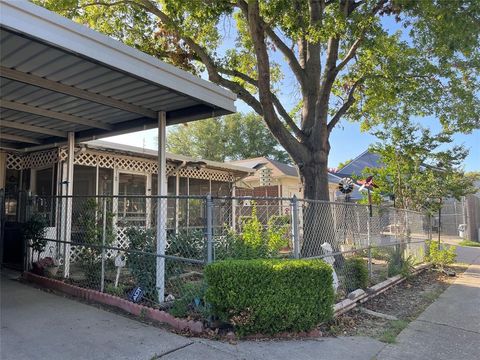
column 205, row 174
column 147, row 166
column 86, row 159
column 40, row 159
column 32, row 160
column 14, row 161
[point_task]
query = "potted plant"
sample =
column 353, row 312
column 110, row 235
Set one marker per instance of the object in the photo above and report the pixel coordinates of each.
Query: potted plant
column 34, row 234
column 47, row 266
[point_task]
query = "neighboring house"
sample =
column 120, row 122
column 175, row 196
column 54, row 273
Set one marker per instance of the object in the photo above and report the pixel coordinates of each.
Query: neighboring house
column 455, row 214
column 284, row 180
column 356, row 167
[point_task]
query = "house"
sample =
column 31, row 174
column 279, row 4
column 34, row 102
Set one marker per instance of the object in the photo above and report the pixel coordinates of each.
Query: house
column 64, row 84
column 273, row 178
column 455, row 214
column 357, row 165
column 105, row 168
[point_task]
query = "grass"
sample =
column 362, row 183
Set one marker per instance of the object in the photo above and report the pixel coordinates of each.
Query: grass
column 469, row 243
column 394, row 328
column 432, row 296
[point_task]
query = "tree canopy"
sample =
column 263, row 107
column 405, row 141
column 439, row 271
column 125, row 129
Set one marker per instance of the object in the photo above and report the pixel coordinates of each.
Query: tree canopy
column 233, row 137
column 418, row 167
column 372, row 61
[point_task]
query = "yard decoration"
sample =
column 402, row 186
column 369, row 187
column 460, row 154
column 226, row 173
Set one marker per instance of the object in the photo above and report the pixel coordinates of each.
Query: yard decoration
column 327, row 249
column 345, row 185
column 120, row 262
column 46, row 266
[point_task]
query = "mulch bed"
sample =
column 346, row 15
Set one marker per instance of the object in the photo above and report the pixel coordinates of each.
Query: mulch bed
column 405, row 301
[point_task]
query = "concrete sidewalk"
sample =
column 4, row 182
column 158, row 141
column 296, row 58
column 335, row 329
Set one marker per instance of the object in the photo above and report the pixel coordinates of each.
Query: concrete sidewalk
column 38, row 325
column 448, row 329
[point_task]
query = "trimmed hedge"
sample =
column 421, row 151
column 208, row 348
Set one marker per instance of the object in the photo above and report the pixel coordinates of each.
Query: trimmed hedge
column 355, row 272
column 270, row 296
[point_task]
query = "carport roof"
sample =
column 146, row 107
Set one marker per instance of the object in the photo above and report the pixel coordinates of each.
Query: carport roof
column 58, row 76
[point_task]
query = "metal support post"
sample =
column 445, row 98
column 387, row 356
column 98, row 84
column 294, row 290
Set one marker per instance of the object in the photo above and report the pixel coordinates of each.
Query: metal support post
column 104, row 230
column 209, row 232
column 68, row 205
column 295, row 235
column 161, row 207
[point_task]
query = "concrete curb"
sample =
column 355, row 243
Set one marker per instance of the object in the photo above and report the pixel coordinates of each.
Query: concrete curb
column 107, row 299
column 360, row 296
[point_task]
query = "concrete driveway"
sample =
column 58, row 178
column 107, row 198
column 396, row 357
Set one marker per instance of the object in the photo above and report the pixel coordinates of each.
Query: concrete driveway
column 39, row 325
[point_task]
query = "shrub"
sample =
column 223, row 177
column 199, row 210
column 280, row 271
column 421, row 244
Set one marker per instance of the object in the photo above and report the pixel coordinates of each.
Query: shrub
column 440, row 254
column 90, row 222
column 34, row 231
column 188, row 244
column 398, row 263
column 143, row 265
column 255, row 242
column 355, row 272
column 191, row 301
column 116, row 291
column 270, row 296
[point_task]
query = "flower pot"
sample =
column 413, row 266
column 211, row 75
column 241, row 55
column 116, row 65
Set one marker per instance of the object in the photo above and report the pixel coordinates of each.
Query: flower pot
column 51, row 271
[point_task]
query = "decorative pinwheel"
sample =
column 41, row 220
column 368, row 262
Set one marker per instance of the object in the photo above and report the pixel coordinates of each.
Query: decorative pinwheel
column 345, row 185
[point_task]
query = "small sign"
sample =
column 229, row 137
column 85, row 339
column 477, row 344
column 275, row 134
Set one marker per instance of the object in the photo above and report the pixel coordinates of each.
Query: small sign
column 136, row 295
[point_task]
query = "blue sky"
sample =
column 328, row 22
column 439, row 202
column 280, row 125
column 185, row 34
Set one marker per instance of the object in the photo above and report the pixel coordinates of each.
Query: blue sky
column 347, row 141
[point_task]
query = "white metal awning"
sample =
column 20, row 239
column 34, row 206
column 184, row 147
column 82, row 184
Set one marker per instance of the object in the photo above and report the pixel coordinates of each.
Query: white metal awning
column 58, row 76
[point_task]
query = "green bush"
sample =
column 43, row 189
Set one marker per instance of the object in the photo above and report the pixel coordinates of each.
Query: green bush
column 34, row 231
column 270, row 296
column 355, row 272
column 142, row 264
column 90, row 221
column 188, row 244
column 191, row 301
column 116, row 291
column 255, row 241
column 440, row 255
column 397, row 263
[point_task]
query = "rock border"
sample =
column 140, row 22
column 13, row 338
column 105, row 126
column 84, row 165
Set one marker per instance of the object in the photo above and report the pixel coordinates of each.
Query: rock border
column 111, row 300
column 360, row 296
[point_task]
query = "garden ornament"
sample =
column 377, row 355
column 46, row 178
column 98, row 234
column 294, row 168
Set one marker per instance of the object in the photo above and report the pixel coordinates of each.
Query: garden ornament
column 345, row 185
column 327, row 249
column 120, row 261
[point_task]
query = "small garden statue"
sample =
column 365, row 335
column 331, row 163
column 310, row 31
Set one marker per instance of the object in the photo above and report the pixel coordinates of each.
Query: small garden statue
column 327, row 249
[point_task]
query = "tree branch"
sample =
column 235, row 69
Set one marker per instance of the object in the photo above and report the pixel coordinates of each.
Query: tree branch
column 286, row 51
column 346, row 105
column 276, row 102
column 353, row 49
column 212, row 68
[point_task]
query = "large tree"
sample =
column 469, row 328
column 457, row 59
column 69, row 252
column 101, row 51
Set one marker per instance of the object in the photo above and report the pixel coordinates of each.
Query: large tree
column 341, row 56
column 419, row 168
column 233, row 137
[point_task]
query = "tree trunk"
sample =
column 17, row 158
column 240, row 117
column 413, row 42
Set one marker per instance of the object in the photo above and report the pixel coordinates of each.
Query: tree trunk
column 318, row 224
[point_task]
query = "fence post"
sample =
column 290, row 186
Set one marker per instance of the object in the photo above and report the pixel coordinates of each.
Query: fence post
column 295, row 237
column 369, row 241
column 102, row 282
column 209, row 234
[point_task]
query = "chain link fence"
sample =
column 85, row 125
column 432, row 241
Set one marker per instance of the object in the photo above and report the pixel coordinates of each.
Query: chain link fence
column 158, row 246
